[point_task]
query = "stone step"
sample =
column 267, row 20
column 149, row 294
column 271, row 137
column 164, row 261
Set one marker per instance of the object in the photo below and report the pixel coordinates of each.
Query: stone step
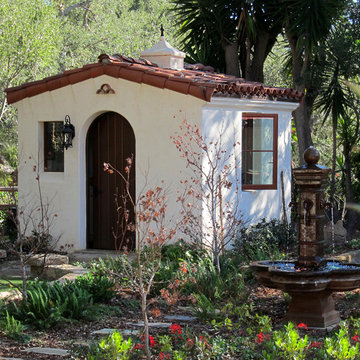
column 55, row 272
column 48, row 259
column 91, row 254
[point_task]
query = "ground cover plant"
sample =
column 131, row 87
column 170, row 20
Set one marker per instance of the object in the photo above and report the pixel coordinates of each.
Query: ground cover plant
column 234, row 319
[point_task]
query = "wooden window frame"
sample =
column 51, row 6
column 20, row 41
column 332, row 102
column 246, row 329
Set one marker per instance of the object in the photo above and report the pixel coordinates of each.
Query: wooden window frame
column 273, row 186
column 45, row 149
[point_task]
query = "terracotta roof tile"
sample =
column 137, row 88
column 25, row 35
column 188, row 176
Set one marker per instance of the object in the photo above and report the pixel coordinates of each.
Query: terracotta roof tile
column 196, row 80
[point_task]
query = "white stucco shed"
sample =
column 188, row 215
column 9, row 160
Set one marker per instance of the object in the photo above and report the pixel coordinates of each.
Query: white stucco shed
column 121, row 107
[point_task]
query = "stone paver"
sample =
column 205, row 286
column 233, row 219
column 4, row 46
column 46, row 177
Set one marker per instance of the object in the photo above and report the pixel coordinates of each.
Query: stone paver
column 107, row 331
column 48, row 351
column 6, row 358
column 154, row 324
column 104, row 331
column 179, row 318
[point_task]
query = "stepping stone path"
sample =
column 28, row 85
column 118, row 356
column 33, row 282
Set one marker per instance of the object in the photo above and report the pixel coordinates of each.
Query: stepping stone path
column 180, row 318
column 154, row 324
column 48, row 351
column 106, row 331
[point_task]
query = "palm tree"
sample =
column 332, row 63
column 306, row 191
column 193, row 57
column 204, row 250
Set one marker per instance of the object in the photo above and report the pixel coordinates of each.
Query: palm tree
column 239, row 34
column 234, row 36
column 306, row 24
column 340, row 55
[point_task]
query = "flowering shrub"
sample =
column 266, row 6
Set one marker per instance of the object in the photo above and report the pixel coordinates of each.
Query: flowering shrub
column 175, row 329
column 245, row 344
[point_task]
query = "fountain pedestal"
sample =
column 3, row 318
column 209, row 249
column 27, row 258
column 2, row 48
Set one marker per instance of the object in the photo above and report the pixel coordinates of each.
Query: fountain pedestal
column 315, row 309
column 310, row 280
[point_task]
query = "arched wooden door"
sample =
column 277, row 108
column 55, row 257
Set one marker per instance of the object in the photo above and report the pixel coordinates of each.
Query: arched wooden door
column 111, row 140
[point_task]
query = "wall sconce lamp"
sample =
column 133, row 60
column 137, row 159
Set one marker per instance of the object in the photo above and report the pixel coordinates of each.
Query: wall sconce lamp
column 68, row 132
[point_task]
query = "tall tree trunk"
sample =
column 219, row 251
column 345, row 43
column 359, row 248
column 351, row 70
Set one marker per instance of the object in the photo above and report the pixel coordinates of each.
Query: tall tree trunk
column 262, row 46
column 302, row 117
column 231, row 58
column 352, row 216
column 333, row 162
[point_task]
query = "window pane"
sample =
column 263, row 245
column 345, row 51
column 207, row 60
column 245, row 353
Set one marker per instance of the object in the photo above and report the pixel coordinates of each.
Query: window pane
column 257, row 168
column 258, row 134
column 53, row 147
column 258, row 150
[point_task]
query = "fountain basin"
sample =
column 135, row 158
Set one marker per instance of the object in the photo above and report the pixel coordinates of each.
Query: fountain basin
column 310, row 288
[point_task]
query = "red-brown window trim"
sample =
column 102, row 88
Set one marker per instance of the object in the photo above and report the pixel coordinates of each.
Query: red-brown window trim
column 272, row 186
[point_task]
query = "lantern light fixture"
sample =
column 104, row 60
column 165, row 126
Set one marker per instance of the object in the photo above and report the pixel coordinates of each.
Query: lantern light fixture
column 68, row 132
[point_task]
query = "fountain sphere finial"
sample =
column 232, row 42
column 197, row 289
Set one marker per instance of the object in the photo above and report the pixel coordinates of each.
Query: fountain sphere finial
column 311, row 156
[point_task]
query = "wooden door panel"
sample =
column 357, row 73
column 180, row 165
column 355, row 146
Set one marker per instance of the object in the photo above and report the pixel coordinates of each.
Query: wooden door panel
column 110, row 139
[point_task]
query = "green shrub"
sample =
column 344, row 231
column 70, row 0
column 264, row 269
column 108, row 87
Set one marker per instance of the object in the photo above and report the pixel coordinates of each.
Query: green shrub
column 77, row 303
column 113, row 268
column 48, row 304
column 265, row 240
column 228, row 284
column 100, row 287
column 40, row 310
column 340, row 347
column 11, row 326
column 7, row 224
column 112, row 348
column 205, row 310
column 354, row 243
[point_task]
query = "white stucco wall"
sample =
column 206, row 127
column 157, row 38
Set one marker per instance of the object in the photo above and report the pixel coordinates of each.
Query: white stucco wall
column 155, row 115
column 254, row 204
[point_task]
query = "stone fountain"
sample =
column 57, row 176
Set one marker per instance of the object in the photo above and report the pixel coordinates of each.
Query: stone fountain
column 310, row 280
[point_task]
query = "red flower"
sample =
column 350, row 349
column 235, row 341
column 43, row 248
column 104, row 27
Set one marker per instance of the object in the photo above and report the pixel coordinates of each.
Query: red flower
column 138, row 347
column 175, row 329
column 315, row 344
column 355, row 338
column 151, row 340
column 259, row 338
column 302, row 325
column 161, row 356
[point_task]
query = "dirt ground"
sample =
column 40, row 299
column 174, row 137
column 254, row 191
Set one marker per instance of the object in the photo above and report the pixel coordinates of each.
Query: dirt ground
column 267, row 302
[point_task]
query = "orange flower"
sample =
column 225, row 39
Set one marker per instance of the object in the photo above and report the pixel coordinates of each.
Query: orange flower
column 183, row 268
column 155, row 312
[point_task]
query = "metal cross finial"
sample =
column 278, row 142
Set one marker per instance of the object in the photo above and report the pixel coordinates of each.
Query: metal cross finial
column 162, row 30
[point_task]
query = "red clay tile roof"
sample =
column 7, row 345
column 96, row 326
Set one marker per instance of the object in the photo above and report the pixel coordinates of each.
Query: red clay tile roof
column 195, row 80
